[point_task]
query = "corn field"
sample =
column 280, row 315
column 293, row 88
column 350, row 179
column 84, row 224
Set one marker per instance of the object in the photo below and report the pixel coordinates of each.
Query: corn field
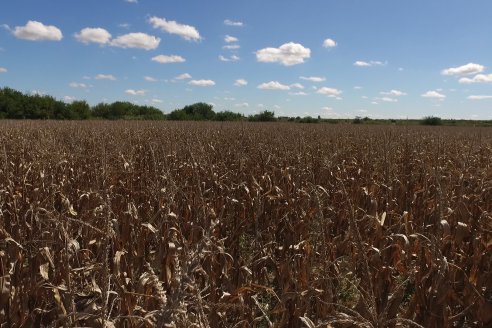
column 140, row 224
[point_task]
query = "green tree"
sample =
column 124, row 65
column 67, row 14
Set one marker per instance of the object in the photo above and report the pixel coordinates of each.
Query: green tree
column 199, row 111
column 228, row 116
column 80, row 109
column 431, row 120
column 265, row 116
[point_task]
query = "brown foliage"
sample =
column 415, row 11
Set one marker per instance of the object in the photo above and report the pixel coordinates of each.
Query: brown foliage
column 136, row 224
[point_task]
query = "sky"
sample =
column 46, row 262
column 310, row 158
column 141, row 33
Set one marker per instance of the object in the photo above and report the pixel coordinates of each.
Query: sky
column 332, row 58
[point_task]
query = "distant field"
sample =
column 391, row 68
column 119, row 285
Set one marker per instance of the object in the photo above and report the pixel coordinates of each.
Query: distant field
column 142, row 224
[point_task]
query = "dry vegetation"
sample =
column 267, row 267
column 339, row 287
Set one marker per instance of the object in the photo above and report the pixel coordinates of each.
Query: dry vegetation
column 134, row 224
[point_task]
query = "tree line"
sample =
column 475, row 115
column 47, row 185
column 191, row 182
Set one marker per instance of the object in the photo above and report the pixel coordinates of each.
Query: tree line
column 17, row 105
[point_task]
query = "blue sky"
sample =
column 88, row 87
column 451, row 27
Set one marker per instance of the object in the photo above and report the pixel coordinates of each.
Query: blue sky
column 333, row 58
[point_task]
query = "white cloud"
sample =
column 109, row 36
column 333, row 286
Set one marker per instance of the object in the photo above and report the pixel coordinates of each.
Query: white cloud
column 434, row 95
column 233, row 58
column 183, row 76
column 38, row 93
column 135, row 92
column 78, row 85
column 164, row 59
column 240, row 83
column 361, row 63
column 187, row 32
column 136, row 40
column 481, row 97
column 105, row 77
column 231, row 46
column 374, row 103
column 68, row 99
column 243, row 105
column 94, row 35
column 327, row 109
column 156, row 101
column 479, row 78
column 329, row 43
column 393, row 93
column 287, row 54
column 357, row 87
column 37, row 31
column 3, row 70
column 229, row 22
column 388, row 99
column 273, row 85
column 230, row 39
column 331, row 92
column 313, row 78
column 297, row 86
column 202, row 83
column 300, row 93
column 150, row 79
column 131, row 1
column 468, row 69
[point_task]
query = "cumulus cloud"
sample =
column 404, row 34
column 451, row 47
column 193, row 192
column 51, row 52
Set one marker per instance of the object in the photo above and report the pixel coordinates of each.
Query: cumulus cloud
column 273, row 85
column 479, row 78
column 313, row 78
column 38, row 93
column 329, row 43
column 78, row 85
column 230, row 39
column 361, row 63
column 330, row 92
column 481, row 97
column 229, row 22
column 3, row 70
column 468, row 69
column 136, row 92
column 37, row 31
column 243, row 105
column 187, row 32
column 105, row 77
column 202, row 83
column 297, row 86
column 165, row 59
column 240, row 83
column 150, row 79
column 287, row 54
column 156, row 101
column 69, row 99
column 93, row 35
column 231, row 46
column 300, row 93
column 393, row 93
column 433, row 95
column 136, row 40
column 232, row 58
column 183, row 76
column 131, row 1
column 388, row 99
